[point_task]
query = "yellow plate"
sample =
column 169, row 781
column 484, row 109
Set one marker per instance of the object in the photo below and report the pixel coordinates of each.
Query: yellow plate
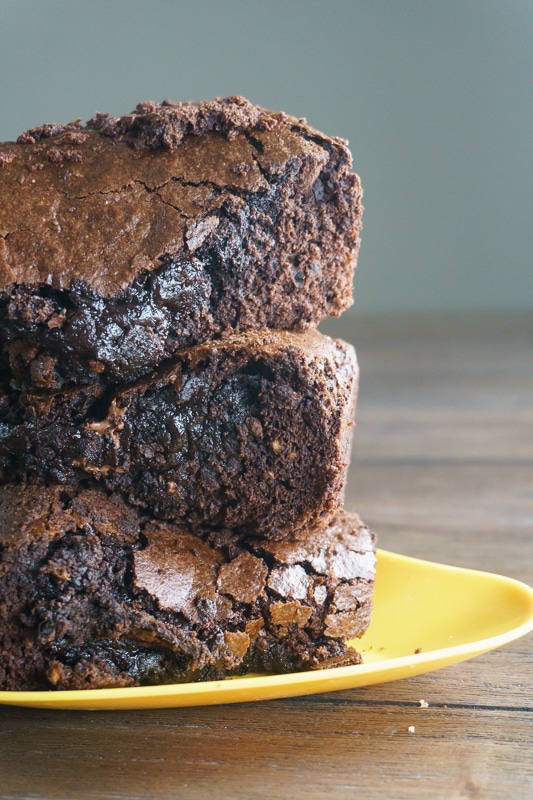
column 426, row 616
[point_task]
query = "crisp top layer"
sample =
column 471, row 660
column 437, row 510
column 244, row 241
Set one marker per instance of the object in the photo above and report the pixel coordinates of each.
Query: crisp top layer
column 101, row 203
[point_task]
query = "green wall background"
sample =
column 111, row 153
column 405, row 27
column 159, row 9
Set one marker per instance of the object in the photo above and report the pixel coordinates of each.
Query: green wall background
column 434, row 96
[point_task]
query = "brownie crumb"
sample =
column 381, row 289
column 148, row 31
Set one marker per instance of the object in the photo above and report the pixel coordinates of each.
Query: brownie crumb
column 153, row 125
column 48, row 131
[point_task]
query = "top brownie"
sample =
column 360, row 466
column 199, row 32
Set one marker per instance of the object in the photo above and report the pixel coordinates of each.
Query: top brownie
column 128, row 238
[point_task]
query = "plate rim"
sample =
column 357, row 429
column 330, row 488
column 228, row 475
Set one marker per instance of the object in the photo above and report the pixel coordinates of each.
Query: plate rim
column 84, row 699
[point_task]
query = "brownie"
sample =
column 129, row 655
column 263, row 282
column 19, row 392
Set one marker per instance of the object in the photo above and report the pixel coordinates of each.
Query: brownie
column 129, row 238
column 251, row 432
column 95, row 595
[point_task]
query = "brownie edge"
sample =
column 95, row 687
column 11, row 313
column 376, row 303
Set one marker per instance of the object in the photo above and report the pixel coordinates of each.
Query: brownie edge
column 94, row 595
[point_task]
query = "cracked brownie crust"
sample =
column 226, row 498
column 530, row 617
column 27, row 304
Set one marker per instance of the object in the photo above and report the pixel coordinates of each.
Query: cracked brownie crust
column 251, row 432
column 96, row 596
column 131, row 237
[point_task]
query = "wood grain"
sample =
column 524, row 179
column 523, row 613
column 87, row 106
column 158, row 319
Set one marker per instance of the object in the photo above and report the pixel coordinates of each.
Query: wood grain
column 442, row 469
column 325, row 746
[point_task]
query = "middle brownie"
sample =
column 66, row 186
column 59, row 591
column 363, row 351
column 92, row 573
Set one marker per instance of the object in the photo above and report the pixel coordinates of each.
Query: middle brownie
column 253, row 432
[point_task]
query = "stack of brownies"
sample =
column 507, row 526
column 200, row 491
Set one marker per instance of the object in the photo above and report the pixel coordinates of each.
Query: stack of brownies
column 174, row 433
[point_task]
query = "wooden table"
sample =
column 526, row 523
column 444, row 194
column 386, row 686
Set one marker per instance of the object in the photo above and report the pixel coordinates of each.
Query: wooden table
column 442, row 469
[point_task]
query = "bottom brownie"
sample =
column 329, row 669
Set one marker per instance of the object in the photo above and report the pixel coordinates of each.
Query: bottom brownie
column 94, row 595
